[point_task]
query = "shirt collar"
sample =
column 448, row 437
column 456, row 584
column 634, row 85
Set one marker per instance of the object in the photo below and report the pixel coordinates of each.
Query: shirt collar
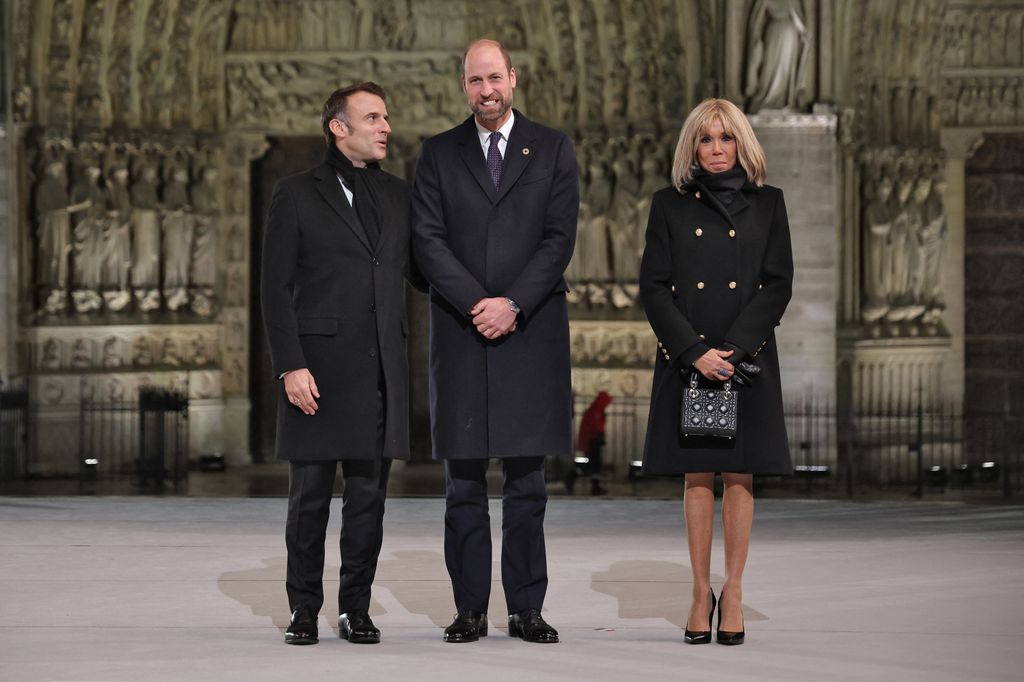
column 505, row 130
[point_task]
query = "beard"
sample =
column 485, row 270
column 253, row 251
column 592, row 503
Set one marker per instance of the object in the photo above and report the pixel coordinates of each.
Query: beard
column 492, row 114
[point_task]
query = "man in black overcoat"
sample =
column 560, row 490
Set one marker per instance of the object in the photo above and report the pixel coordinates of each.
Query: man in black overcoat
column 335, row 254
column 495, row 205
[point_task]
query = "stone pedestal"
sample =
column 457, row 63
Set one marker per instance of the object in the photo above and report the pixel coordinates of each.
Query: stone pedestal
column 801, row 152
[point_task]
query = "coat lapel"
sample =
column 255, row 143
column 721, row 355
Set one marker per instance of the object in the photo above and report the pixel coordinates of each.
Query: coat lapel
column 330, row 189
column 473, row 157
column 708, row 197
column 518, row 153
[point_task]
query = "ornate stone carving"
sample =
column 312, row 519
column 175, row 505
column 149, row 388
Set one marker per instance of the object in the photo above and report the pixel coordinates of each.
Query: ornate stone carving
column 903, row 230
column 612, row 344
column 777, row 51
column 53, row 234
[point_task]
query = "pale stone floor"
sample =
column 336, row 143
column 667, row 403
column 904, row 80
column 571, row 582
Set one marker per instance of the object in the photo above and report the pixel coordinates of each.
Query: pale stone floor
column 188, row 588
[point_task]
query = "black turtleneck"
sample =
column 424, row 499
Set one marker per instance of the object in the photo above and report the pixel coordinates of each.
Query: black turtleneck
column 725, row 186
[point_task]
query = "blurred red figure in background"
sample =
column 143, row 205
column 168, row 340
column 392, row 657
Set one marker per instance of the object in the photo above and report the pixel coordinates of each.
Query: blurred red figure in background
column 590, row 442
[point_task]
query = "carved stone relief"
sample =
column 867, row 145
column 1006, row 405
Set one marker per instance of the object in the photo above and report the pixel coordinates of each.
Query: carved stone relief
column 612, row 344
column 902, row 240
column 112, row 215
column 63, row 350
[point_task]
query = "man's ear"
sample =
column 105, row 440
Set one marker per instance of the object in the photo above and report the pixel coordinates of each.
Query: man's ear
column 512, row 76
column 339, row 129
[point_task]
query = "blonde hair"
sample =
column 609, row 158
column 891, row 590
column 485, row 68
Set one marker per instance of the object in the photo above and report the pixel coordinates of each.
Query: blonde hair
column 748, row 150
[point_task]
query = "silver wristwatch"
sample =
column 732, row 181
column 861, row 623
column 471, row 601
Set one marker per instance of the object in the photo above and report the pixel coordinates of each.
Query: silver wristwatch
column 513, row 306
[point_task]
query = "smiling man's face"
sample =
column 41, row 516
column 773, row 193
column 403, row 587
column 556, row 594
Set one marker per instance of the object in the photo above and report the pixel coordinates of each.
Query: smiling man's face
column 488, row 84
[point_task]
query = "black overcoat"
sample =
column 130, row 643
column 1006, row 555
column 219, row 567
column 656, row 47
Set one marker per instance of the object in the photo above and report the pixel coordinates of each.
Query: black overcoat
column 509, row 397
column 336, row 305
column 708, row 277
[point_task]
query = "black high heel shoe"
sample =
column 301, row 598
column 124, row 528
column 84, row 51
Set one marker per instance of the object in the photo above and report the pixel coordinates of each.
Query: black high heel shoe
column 701, row 636
column 726, row 637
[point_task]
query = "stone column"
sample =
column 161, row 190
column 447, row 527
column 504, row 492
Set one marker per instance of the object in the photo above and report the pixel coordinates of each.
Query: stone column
column 802, row 159
column 8, row 262
column 959, row 145
column 241, row 150
column 8, row 252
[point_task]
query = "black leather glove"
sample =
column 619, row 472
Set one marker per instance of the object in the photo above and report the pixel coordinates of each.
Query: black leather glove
column 743, row 372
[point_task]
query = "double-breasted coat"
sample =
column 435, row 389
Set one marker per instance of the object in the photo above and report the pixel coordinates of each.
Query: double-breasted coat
column 708, row 277
column 508, row 397
column 335, row 303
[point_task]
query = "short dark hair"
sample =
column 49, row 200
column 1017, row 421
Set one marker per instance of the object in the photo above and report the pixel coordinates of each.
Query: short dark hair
column 334, row 107
column 494, row 43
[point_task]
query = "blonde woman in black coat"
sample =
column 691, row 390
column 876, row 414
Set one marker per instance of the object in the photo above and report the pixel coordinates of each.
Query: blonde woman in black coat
column 716, row 276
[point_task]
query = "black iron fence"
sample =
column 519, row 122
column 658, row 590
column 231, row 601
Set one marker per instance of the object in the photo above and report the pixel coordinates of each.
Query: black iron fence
column 145, row 440
column 917, row 448
column 14, row 432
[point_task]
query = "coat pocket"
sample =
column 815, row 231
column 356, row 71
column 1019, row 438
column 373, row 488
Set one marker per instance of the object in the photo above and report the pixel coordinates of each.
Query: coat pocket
column 318, row 326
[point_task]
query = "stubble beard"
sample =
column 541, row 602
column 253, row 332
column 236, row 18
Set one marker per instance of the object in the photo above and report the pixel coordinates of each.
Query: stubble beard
column 495, row 115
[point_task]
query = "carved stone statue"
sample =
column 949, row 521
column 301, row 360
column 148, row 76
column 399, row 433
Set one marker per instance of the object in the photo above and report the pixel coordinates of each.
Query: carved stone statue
column 875, row 250
column 592, row 242
column 933, row 239
column 776, row 54
column 623, row 229
column 915, row 252
column 54, row 237
column 204, row 265
column 899, row 241
column 116, row 247
column 90, row 205
column 177, row 239
column 146, row 248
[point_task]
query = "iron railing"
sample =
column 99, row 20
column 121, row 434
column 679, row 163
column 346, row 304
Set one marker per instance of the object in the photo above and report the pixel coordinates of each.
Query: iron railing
column 913, row 447
column 14, row 432
column 145, row 440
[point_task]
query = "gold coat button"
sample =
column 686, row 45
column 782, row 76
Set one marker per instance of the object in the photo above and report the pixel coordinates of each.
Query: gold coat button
column 700, row 285
column 698, row 232
column 697, row 195
column 701, row 336
column 673, row 288
column 732, row 285
column 732, row 233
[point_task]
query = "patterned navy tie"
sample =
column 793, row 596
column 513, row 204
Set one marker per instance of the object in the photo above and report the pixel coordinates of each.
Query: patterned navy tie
column 494, row 159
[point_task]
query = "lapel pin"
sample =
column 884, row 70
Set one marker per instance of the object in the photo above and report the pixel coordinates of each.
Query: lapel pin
column 526, row 151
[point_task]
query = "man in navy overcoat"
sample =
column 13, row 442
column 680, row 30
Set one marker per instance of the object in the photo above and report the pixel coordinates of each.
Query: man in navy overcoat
column 495, row 204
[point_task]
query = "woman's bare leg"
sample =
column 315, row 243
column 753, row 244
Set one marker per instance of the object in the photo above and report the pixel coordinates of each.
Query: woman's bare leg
column 699, row 510
column 737, row 519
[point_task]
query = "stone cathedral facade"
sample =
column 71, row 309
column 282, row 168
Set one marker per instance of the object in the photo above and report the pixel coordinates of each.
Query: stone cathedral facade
column 139, row 139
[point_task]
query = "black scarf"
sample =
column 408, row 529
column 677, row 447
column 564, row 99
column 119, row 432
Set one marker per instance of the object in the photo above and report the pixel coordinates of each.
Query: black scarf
column 725, row 186
column 364, row 183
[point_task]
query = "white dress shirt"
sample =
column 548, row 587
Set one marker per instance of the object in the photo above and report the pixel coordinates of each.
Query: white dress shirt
column 485, row 135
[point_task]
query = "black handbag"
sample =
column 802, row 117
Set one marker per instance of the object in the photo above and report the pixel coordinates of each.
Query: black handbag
column 709, row 411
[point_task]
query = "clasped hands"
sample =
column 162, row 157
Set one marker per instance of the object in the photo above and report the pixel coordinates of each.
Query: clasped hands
column 493, row 317
column 730, row 363
column 713, row 365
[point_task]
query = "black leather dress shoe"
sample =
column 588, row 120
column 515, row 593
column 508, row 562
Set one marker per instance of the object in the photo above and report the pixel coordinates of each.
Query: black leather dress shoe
column 468, row 626
column 529, row 626
column 302, row 629
column 357, row 628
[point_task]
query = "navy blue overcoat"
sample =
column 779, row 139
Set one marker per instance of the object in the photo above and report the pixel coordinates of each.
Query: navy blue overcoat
column 509, row 397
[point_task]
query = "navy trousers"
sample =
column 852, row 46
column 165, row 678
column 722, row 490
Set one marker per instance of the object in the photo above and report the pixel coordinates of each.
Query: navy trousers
column 467, row 533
